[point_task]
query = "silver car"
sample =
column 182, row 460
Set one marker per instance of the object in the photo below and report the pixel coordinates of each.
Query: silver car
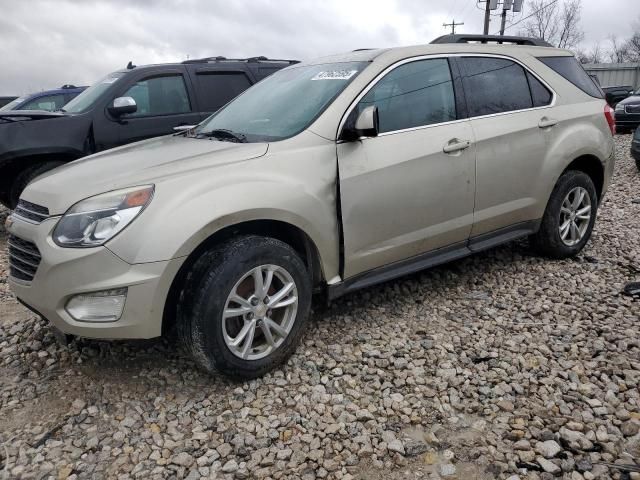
column 326, row 177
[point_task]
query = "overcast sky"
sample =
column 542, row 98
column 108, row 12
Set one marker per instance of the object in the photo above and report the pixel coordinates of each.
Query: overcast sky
column 46, row 43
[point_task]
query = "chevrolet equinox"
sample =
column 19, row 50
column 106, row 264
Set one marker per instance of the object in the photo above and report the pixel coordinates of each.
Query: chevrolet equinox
column 327, row 176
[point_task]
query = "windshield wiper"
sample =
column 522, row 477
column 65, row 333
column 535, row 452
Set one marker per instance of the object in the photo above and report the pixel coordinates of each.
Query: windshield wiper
column 224, row 135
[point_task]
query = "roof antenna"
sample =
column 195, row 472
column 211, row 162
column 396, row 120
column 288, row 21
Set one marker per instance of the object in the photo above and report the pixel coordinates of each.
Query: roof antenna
column 130, row 66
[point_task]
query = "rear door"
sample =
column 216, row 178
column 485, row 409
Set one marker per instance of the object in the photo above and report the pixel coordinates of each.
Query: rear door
column 411, row 189
column 512, row 116
column 216, row 86
column 164, row 102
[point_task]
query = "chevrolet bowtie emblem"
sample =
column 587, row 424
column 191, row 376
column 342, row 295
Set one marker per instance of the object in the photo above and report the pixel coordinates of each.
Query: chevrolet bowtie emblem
column 8, row 222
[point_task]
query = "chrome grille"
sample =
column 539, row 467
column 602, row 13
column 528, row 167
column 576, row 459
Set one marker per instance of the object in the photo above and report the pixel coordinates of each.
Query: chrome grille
column 632, row 108
column 24, row 258
column 31, row 211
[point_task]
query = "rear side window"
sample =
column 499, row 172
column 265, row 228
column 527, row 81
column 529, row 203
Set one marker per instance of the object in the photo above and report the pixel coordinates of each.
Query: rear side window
column 494, row 85
column 540, row 94
column 215, row 89
column 413, row 95
column 570, row 69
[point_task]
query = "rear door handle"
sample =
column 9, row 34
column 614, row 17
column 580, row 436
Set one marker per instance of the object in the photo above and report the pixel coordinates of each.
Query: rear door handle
column 455, row 145
column 546, row 122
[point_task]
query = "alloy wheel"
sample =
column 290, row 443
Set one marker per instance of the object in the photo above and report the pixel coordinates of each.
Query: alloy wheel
column 260, row 312
column 575, row 216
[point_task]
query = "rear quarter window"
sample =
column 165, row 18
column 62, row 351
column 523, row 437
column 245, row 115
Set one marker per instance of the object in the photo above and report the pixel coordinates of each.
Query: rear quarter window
column 571, row 70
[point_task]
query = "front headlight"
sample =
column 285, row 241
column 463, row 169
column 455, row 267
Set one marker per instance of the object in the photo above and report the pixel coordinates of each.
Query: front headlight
column 619, row 108
column 93, row 221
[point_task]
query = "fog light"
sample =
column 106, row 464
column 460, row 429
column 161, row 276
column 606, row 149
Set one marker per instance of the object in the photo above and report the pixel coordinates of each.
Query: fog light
column 104, row 306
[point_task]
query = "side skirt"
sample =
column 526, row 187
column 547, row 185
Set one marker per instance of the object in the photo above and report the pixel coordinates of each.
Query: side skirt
column 433, row 258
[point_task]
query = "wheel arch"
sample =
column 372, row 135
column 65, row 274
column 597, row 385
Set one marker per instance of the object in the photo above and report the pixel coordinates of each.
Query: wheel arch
column 286, row 232
column 593, row 167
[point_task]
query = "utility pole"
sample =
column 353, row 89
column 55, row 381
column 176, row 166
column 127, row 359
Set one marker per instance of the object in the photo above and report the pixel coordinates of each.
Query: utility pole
column 453, row 26
column 506, row 5
column 503, row 22
column 487, row 16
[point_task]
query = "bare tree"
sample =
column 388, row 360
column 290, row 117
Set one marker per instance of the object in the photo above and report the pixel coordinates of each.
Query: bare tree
column 569, row 32
column 557, row 23
column 632, row 48
column 595, row 55
column 617, row 50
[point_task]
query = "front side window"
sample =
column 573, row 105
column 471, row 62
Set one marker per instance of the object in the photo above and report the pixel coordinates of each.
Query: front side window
column 283, row 104
column 50, row 103
column 412, row 95
column 155, row 96
column 494, row 85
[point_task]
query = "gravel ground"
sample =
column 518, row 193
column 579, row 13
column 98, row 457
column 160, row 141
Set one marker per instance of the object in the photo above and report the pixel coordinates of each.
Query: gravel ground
column 502, row 365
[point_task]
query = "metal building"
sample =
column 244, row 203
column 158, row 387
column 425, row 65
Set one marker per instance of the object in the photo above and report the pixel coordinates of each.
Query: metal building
column 615, row 74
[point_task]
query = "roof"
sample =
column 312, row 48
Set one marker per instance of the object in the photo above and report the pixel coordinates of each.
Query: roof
column 398, row 53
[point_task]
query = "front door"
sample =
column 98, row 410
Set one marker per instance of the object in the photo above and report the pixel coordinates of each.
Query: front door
column 163, row 103
column 411, row 189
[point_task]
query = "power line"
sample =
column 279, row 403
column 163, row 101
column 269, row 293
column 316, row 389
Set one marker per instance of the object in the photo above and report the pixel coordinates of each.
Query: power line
column 529, row 16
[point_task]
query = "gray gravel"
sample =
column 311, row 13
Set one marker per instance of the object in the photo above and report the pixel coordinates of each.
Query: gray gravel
column 502, row 365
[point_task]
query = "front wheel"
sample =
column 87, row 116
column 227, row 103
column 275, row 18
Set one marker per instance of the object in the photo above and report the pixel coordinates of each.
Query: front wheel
column 244, row 306
column 569, row 217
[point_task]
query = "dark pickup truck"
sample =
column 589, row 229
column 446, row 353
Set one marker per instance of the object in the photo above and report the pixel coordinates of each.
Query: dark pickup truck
column 125, row 106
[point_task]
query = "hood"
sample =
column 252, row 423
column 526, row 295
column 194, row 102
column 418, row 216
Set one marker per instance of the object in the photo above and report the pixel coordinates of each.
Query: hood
column 139, row 163
column 20, row 115
column 633, row 99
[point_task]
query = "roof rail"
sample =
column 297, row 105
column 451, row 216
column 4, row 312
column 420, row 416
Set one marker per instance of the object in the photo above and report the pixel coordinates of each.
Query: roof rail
column 249, row 60
column 462, row 38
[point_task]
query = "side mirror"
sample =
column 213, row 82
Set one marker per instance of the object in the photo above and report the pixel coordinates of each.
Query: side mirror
column 122, row 106
column 366, row 125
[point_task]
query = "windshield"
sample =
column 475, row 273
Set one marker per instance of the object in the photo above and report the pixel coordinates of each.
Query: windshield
column 283, row 104
column 84, row 101
column 13, row 104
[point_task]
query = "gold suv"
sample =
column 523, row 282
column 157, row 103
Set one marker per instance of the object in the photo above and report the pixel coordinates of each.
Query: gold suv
column 327, row 176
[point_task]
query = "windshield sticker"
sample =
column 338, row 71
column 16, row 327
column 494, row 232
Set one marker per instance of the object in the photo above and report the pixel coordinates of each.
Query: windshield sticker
column 335, row 75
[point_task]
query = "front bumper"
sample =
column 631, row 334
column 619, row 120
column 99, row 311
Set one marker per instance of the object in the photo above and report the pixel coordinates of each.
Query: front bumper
column 65, row 272
column 627, row 120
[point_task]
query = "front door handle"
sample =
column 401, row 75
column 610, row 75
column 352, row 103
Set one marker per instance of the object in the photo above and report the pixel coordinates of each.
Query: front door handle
column 546, row 122
column 455, row 145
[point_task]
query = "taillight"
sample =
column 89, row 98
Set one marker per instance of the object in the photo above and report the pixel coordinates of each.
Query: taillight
column 609, row 114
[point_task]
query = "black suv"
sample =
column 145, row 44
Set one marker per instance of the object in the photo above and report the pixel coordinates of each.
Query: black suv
column 614, row 94
column 124, row 107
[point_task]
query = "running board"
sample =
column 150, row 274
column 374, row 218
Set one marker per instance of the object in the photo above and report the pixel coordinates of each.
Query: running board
column 433, row 258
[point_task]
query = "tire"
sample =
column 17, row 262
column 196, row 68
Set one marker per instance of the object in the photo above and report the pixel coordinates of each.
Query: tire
column 206, row 296
column 638, row 162
column 26, row 176
column 548, row 240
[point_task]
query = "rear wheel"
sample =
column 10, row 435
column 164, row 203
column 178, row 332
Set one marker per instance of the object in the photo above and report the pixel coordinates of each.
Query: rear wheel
column 27, row 176
column 569, row 218
column 244, row 306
